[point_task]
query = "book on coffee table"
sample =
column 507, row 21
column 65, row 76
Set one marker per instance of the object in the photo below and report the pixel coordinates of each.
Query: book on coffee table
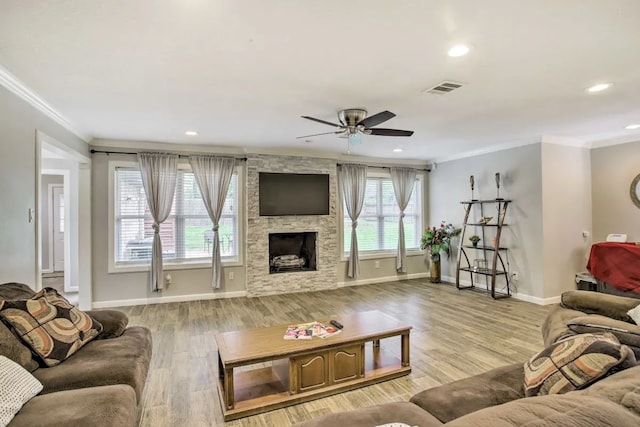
column 306, row 331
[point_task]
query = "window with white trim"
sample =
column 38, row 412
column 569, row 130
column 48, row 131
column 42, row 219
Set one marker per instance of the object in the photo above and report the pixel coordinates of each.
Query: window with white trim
column 378, row 220
column 187, row 234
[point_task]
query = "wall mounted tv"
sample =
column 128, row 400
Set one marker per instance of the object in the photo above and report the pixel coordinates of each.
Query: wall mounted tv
column 284, row 194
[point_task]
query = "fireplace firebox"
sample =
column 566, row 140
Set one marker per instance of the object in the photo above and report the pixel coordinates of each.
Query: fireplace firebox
column 292, row 252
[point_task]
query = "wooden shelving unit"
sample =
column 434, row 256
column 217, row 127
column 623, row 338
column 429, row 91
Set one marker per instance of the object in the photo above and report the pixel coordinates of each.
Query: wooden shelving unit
column 493, row 268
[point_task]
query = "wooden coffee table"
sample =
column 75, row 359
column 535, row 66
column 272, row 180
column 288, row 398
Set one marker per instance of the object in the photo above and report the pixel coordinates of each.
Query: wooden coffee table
column 287, row 372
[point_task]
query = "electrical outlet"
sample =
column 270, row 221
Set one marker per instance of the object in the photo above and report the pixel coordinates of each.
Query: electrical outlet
column 231, row 275
column 377, row 264
column 168, row 279
column 514, row 276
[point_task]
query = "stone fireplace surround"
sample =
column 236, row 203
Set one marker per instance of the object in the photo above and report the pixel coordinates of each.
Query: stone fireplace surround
column 259, row 280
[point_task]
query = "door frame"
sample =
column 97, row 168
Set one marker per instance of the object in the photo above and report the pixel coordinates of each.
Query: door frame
column 52, row 227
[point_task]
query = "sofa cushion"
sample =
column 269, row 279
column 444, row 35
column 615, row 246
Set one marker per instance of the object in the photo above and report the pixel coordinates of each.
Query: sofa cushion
column 113, row 322
column 50, row 325
column 574, row 363
column 613, row 306
column 107, row 406
column 397, row 412
column 627, row 333
column 453, row 400
column 121, row 360
column 555, row 326
column 17, row 386
column 622, row 388
column 15, row 290
column 568, row 410
column 14, row 349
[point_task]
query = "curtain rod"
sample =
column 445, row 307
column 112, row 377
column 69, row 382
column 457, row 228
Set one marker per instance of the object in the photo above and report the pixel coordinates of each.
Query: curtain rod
column 389, row 167
column 181, row 156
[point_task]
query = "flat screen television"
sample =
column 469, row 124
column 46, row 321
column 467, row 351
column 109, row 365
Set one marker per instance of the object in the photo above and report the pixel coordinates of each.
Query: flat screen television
column 284, row 194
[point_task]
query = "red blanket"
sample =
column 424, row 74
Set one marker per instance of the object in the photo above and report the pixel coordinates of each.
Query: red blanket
column 616, row 264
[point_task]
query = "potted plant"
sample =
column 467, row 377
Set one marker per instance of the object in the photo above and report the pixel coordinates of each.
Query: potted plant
column 474, row 240
column 438, row 240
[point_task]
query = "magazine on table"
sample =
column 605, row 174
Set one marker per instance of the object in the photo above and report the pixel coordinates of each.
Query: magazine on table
column 306, row 331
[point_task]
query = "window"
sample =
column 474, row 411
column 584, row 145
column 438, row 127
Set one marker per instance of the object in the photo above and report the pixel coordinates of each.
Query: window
column 187, row 234
column 378, row 221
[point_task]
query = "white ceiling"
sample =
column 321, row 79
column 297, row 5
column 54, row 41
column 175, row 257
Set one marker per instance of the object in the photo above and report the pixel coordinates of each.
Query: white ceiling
column 242, row 72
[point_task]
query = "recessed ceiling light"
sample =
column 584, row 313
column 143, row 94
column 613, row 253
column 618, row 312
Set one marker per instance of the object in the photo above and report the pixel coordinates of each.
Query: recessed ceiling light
column 397, row 150
column 633, row 126
column 599, row 87
column 190, row 133
column 458, row 50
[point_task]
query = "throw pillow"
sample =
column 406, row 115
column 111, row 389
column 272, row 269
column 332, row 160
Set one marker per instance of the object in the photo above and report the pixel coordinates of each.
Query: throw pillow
column 17, row 386
column 634, row 313
column 50, row 325
column 627, row 333
column 574, row 363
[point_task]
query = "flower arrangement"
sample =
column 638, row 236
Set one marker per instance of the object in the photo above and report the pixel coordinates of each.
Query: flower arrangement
column 438, row 239
column 475, row 239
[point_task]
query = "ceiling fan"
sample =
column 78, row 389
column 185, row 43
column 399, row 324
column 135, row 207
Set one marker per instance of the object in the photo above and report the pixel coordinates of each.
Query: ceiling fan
column 354, row 123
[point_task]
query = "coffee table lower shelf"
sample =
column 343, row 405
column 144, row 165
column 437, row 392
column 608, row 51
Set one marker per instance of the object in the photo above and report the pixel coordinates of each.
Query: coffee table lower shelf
column 268, row 388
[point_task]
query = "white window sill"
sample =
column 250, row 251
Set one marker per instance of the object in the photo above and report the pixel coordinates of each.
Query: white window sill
column 138, row 268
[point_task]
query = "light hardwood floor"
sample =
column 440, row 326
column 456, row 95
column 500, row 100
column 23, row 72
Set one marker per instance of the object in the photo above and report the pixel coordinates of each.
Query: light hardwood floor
column 455, row 334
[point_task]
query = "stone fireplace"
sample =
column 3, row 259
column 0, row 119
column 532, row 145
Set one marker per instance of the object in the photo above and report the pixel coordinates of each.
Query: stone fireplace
column 261, row 280
column 292, row 252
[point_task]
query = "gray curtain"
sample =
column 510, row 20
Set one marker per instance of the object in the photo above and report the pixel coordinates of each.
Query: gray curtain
column 213, row 175
column 353, row 179
column 159, row 173
column 403, row 180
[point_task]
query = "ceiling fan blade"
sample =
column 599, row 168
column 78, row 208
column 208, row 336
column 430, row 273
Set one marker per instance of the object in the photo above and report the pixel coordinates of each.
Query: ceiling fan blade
column 322, row 121
column 390, row 132
column 318, row 134
column 376, row 119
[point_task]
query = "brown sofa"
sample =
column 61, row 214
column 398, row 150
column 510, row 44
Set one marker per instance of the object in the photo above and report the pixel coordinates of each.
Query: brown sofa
column 497, row 398
column 100, row 385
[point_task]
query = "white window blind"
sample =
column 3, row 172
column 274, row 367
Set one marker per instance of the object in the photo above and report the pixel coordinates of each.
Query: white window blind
column 186, row 234
column 378, row 221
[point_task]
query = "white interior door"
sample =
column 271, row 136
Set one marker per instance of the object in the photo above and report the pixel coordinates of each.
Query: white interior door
column 58, row 228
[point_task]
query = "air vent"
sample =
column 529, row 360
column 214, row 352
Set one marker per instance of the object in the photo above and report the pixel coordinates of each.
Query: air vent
column 444, row 87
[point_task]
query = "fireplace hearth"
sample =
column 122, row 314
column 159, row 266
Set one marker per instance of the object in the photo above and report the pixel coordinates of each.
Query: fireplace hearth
column 292, row 252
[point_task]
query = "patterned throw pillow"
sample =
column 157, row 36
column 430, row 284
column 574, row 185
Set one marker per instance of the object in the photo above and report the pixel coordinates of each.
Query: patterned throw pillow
column 53, row 328
column 17, row 387
column 574, row 363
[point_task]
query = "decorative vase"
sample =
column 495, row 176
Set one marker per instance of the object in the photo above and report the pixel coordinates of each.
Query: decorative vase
column 435, row 268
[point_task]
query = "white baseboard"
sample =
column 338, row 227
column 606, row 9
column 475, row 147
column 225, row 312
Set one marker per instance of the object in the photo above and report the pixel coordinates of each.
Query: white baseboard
column 383, row 279
column 515, row 295
column 164, row 300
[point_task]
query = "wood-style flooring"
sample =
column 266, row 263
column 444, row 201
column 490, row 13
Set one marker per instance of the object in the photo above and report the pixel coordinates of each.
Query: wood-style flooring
column 455, row 334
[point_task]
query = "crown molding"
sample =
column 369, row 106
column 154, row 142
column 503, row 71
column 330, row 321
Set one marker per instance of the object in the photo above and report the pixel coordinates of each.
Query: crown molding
column 14, row 85
column 124, row 145
column 566, row 141
column 487, row 150
column 615, row 141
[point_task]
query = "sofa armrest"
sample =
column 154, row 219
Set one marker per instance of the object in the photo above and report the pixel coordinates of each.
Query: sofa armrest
column 556, row 324
column 612, row 306
column 114, row 322
column 495, row 387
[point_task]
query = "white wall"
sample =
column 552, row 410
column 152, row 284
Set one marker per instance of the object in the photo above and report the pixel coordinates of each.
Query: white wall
column 612, row 169
column 566, row 214
column 18, row 124
column 520, row 170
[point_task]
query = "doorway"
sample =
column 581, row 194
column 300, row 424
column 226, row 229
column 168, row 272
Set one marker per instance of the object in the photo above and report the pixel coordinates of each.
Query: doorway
column 63, row 230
